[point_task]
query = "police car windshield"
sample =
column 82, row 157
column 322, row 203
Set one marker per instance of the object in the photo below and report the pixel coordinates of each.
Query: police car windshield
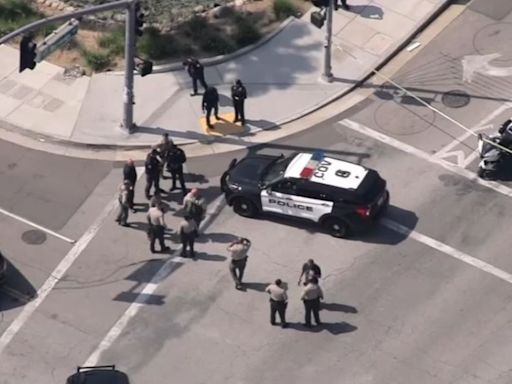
column 276, row 170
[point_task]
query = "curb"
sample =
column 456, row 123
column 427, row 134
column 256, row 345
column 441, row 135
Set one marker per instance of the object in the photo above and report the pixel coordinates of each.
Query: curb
column 221, row 58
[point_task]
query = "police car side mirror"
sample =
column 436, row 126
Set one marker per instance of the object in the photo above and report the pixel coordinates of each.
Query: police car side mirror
column 269, row 190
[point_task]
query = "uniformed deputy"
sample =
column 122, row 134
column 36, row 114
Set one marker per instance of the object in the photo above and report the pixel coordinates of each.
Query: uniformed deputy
column 196, row 71
column 211, row 102
column 152, row 167
column 310, row 269
column 163, row 150
column 157, row 227
column 344, row 5
column 122, row 216
column 194, row 206
column 130, row 174
column 175, row 159
column 311, row 296
column 278, row 302
column 238, row 250
column 188, row 233
column 238, row 95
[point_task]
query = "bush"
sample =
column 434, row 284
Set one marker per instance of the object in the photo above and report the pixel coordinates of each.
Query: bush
column 156, row 46
column 195, row 27
column 113, row 41
column 245, row 33
column 97, row 60
column 283, row 9
column 213, row 42
column 16, row 13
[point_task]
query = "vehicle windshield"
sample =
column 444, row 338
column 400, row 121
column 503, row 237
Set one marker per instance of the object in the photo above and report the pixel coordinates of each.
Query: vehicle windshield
column 276, row 170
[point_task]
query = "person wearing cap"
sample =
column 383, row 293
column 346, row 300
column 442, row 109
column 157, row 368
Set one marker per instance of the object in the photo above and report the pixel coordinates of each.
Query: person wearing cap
column 122, row 216
column 238, row 250
column 238, row 95
column 311, row 296
column 130, row 174
column 194, row 206
column 278, row 302
column 196, row 72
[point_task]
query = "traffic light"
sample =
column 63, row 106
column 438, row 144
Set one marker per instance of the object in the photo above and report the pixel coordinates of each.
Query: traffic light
column 320, row 3
column 145, row 67
column 139, row 20
column 27, row 53
column 317, row 19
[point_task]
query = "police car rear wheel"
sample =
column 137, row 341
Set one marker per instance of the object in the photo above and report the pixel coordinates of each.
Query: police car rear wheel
column 336, row 227
column 244, row 207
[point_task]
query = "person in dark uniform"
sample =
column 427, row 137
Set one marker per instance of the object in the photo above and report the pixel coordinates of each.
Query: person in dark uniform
column 163, row 150
column 310, row 269
column 211, row 102
column 196, row 71
column 175, row 159
column 278, row 302
column 238, row 95
column 311, row 297
column 152, row 167
column 343, row 4
column 130, row 174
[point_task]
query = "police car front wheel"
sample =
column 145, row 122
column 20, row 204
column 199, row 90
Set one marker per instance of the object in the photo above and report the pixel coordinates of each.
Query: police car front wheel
column 244, row 207
column 336, row 227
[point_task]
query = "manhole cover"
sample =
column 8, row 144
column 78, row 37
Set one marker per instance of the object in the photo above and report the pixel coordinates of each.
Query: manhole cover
column 34, row 237
column 456, row 99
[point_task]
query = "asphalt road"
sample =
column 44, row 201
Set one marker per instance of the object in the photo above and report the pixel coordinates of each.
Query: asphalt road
column 423, row 298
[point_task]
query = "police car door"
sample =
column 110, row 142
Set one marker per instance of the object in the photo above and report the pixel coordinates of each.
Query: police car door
column 283, row 198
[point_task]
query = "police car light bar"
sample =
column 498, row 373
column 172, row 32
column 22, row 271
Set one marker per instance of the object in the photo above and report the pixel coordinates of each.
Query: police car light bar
column 310, row 167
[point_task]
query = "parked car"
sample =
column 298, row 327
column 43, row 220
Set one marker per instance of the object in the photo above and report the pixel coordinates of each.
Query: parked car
column 102, row 374
column 3, row 268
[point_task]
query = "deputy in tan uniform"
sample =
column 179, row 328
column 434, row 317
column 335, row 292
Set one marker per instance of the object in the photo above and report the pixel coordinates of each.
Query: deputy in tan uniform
column 188, row 233
column 311, row 296
column 278, row 302
column 238, row 250
column 157, row 227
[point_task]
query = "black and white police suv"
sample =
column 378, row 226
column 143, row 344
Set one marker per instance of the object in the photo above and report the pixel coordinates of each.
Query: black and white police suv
column 343, row 197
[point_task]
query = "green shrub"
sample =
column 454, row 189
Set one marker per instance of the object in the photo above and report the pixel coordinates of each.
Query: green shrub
column 97, row 60
column 113, row 41
column 283, row 9
column 245, row 32
column 213, row 42
column 15, row 14
column 157, row 46
column 195, row 27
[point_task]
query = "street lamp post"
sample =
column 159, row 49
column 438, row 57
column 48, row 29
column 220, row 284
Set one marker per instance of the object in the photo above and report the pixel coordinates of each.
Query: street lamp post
column 129, row 55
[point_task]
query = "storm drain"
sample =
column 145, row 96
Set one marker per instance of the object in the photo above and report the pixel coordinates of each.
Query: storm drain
column 456, row 99
column 33, row 237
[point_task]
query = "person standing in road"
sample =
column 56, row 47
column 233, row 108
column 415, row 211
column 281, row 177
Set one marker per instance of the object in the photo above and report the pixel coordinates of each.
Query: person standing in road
column 196, row 71
column 311, row 296
column 238, row 250
column 152, row 167
column 163, row 150
column 238, row 95
column 130, row 174
column 211, row 102
column 188, row 234
column 194, row 206
column 122, row 216
column 157, row 228
column 343, row 4
column 175, row 159
column 309, row 269
column 278, row 302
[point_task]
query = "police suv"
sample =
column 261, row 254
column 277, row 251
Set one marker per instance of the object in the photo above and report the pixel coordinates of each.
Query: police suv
column 341, row 196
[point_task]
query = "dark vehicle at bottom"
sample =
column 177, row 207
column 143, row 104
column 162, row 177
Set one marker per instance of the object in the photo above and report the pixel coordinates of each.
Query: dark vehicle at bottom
column 342, row 197
column 103, row 374
column 3, row 268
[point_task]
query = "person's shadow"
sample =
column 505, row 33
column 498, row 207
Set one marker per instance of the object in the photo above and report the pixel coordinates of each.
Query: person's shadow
column 367, row 11
column 333, row 328
column 335, row 307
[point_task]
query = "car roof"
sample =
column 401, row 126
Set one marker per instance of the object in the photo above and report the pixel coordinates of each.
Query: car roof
column 327, row 170
column 98, row 376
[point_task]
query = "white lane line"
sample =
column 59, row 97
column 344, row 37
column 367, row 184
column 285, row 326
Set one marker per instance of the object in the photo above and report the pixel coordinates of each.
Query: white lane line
column 446, row 249
column 32, row 224
column 148, row 290
column 425, row 156
column 55, row 276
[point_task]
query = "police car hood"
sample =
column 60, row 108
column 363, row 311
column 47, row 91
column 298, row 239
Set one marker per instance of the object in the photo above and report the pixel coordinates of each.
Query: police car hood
column 250, row 170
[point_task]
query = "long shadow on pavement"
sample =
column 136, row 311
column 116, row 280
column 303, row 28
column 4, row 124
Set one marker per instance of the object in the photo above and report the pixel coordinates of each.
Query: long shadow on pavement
column 333, row 328
column 16, row 290
column 336, row 307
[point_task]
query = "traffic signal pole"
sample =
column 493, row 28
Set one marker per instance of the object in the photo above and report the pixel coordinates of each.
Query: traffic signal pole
column 327, row 75
column 129, row 55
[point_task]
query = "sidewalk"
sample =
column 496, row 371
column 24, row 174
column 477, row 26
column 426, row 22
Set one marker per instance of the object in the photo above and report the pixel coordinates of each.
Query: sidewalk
column 282, row 78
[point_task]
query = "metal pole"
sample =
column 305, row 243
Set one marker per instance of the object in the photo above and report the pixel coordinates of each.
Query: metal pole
column 49, row 20
column 129, row 57
column 327, row 75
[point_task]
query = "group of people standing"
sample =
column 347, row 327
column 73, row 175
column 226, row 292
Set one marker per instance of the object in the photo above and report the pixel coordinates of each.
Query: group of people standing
column 210, row 102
